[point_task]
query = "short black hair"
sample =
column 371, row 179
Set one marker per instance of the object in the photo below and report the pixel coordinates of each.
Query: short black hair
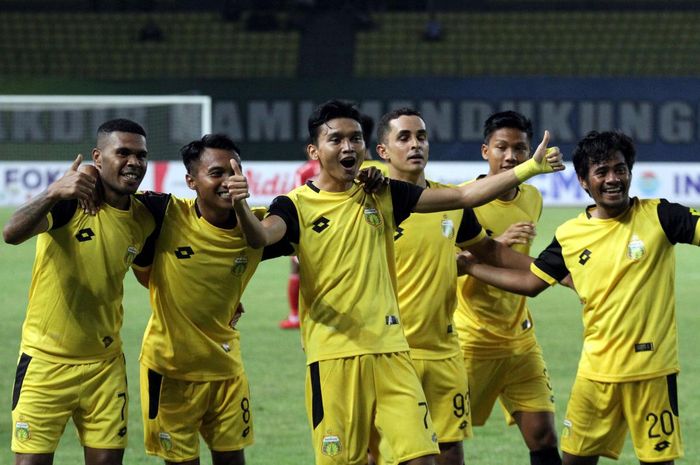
column 120, row 125
column 387, row 118
column 507, row 119
column 329, row 110
column 191, row 152
column 597, row 147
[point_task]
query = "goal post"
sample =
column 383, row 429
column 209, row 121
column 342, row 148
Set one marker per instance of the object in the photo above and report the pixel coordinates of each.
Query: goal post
column 57, row 127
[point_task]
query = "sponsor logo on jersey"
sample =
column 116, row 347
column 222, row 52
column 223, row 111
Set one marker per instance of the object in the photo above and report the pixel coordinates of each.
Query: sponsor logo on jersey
column 636, row 249
column 22, row 432
column 131, row 252
column 331, row 445
column 183, row 253
column 240, row 264
column 584, row 257
column 166, row 441
column 448, row 227
column 84, row 235
column 372, row 216
column 321, row 224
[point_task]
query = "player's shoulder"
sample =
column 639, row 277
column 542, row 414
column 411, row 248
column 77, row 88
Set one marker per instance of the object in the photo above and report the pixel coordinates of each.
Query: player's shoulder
column 438, row 185
column 529, row 190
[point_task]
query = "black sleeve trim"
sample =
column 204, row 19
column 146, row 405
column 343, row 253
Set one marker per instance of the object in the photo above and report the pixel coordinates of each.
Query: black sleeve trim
column 157, row 204
column 279, row 249
column 404, row 197
column 677, row 222
column 62, row 212
column 469, row 227
column 283, row 207
column 551, row 261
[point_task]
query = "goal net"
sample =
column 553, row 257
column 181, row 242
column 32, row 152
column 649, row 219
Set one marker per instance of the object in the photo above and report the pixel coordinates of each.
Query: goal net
column 56, row 128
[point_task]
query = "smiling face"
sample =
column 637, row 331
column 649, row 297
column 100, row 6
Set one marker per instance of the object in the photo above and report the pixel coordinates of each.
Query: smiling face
column 608, row 183
column 405, row 147
column 121, row 159
column 207, row 178
column 505, row 149
column 339, row 150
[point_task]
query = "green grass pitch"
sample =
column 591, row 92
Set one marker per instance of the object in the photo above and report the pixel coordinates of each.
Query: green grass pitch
column 275, row 363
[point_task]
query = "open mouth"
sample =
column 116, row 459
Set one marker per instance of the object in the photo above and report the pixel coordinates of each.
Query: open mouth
column 224, row 195
column 131, row 176
column 613, row 190
column 348, row 162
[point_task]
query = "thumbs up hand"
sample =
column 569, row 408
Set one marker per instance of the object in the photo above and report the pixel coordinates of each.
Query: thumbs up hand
column 237, row 184
column 74, row 184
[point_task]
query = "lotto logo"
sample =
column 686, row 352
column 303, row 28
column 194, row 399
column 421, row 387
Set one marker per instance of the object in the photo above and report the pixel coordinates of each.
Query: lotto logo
column 85, row 235
column 183, row 253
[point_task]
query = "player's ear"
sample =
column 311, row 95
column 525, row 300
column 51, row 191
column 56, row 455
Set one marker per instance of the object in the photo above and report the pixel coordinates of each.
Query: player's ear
column 484, row 151
column 191, row 183
column 584, row 184
column 312, row 152
column 97, row 157
column 381, row 151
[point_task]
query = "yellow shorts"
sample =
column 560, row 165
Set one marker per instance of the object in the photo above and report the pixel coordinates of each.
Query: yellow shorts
column 520, row 382
column 47, row 394
column 175, row 412
column 447, row 392
column 599, row 415
column 373, row 402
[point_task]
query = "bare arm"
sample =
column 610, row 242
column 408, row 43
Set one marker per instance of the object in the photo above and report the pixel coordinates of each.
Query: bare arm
column 486, row 189
column 518, row 281
column 498, row 254
column 30, row 219
column 257, row 233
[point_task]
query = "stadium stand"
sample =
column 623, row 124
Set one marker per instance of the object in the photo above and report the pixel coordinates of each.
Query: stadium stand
column 498, row 39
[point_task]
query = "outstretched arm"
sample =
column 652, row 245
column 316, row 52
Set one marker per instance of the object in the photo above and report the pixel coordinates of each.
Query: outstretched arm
column 257, row 233
column 497, row 254
column 518, row 281
column 486, row 189
column 30, row 219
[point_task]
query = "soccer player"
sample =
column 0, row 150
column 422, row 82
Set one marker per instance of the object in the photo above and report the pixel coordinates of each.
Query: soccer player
column 308, row 172
column 501, row 355
column 196, row 267
column 362, row 390
column 619, row 253
column 427, row 281
column 71, row 363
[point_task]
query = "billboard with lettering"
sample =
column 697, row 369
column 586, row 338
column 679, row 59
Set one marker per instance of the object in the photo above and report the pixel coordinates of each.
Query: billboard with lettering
column 677, row 182
column 268, row 117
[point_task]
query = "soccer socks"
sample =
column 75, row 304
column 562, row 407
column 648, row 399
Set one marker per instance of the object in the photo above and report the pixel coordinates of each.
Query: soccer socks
column 293, row 295
column 548, row 456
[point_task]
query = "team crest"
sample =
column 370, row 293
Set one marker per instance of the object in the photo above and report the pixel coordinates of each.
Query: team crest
column 635, row 249
column 131, row 252
column 166, row 442
column 22, row 431
column 448, row 227
column 372, row 216
column 239, row 265
column 331, row 445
